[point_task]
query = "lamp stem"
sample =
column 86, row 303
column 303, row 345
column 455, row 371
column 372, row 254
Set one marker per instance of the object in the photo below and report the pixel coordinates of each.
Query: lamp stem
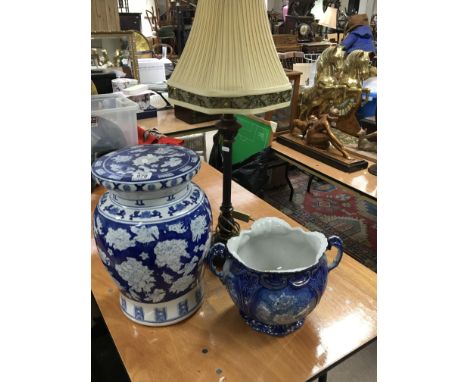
column 227, row 226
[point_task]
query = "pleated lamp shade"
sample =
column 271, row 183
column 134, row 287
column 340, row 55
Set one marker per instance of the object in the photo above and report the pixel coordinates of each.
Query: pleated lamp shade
column 230, row 64
column 329, row 18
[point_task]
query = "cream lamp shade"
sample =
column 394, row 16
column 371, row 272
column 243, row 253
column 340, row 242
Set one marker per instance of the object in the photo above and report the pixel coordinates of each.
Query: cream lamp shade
column 230, row 64
column 329, row 18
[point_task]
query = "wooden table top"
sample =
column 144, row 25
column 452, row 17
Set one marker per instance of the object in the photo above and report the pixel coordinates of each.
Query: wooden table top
column 361, row 182
column 317, row 43
column 292, row 73
column 344, row 321
column 167, row 124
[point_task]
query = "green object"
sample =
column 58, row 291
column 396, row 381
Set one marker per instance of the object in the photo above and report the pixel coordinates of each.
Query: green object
column 166, row 32
column 252, row 137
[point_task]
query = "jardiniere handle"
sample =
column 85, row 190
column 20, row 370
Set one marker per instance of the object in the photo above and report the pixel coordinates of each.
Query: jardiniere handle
column 217, row 251
column 335, row 241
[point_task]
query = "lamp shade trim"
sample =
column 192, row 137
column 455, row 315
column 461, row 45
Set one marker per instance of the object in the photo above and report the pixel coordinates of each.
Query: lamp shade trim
column 230, row 52
column 267, row 101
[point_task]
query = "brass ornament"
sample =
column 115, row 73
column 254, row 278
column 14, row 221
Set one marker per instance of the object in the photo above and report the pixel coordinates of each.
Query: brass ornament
column 356, row 70
column 317, row 99
column 120, row 53
column 317, row 132
column 334, row 99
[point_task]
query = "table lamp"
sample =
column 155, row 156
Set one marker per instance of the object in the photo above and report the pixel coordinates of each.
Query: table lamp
column 229, row 66
column 329, row 18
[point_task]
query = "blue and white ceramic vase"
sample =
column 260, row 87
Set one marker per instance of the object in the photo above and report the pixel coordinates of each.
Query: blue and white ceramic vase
column 152, row 229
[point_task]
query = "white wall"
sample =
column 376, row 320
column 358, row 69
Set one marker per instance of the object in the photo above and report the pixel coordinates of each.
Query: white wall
column 141, row 6
column 368, row 6
column 344, row 4
column 276, row 5
column 317, row 10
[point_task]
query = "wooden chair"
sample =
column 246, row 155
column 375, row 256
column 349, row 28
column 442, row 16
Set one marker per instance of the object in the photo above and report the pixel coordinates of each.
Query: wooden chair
column 162, row 35
column 288, row 59
column 153, row 19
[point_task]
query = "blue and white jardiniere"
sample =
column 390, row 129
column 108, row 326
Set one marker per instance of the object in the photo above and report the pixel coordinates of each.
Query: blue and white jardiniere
column 275, row 274
column 152, row 229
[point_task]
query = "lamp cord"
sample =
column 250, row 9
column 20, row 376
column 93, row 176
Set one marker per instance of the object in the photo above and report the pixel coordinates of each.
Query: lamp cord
column 227, row 227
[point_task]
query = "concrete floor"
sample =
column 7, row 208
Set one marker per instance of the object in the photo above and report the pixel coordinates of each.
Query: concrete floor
column 361, row 367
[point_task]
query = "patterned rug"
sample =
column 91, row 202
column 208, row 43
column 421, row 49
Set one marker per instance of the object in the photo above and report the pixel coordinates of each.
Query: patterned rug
column 333, row 211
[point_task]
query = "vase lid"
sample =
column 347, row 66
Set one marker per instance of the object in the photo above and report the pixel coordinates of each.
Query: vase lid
column 146, row 167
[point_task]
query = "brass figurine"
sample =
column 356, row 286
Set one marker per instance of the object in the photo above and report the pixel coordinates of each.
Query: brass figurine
column 95, row 57
column 334, row 100
column 356, row 70
column 100, row 58
column 317, row 132
column 317, row 99
column 115, row 49
column 121, row 58
column 338, row 83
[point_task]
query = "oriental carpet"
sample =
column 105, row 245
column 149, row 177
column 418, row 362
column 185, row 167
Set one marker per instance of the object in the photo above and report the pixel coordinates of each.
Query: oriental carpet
column 331, row 210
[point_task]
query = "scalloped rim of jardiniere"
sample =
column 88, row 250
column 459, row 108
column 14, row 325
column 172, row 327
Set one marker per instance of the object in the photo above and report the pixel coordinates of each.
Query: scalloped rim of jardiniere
column 276, row 226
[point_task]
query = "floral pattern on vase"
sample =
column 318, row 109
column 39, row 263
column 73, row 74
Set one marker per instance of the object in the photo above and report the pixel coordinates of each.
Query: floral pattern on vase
column 152, row 231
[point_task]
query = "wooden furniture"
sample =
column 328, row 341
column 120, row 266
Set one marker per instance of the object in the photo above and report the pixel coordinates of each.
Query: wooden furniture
column 338, row 37
column 295, row 77
column 293, row 23
column 153, row 17
column 361, row 183
column 315, row 47
column 183, row 14
column 215, row 342
column 162, row 35
column 286, row 42
column 331, row 154
column 288, row 59
column 104, row 16
column 168, row 124
column 193, row 116
column 130, row 21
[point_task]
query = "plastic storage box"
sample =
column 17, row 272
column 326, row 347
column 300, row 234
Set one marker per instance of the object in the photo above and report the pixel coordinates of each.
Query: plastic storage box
column 113, row 123
column 152, row 71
